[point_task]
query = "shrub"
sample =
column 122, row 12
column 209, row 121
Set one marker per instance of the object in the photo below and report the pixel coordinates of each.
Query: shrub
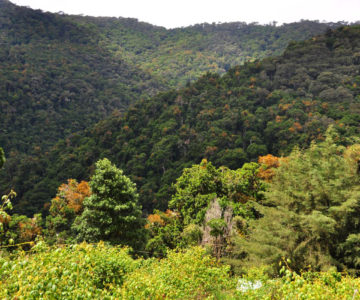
column 189, row 274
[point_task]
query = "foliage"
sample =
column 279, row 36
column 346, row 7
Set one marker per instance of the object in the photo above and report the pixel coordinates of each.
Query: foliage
column 164, row 230
column 312, row 213
column 17, row 229
column 200, row 184
column 64, row 208
column 308, row 285
column 82, row 271
column 194, row 191
column 24, row 231
column 191, row 235
column 217, row 227
column 112, row 212
column 100, row 271
column 5, row 218
column 205, row 196
column 263, row 107
column 187, row 274
column 269, row 164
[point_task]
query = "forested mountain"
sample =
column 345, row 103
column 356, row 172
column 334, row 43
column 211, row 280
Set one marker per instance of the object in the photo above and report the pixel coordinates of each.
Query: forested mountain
column 266, row 106
column 180, row 55
column 55, row 78
column 60, row 74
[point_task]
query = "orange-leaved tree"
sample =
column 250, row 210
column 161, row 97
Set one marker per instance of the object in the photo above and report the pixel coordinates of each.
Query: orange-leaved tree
column 269, row 163
column 64, row 208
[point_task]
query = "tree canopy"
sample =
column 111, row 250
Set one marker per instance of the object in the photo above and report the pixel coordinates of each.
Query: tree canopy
column 112, row 212
column 311, row 212
column 263, row 107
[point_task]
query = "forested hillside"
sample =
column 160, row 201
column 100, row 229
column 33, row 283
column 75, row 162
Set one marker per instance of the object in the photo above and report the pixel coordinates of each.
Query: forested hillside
column 266, row 106
column 56, row 79
column 60, row 74
column 180, row 55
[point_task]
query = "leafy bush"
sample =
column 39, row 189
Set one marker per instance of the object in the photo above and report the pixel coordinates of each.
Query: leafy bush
column 81, row 272
column 189, row 274
column 100, row 271
column 309, row 285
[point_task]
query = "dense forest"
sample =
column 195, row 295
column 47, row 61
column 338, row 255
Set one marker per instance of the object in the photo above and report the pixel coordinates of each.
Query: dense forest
column 56, row 79
column 62, row 74
column 217, row 161
column 266, row 106
column 181, row 55
column 65, row 73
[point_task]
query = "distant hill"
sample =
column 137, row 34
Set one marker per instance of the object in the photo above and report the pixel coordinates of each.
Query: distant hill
column 60, row 74
column 56, row 79
column 266, row 106
column 184, row 54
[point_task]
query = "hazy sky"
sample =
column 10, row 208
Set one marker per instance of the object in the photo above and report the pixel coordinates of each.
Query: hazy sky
column 177, row 13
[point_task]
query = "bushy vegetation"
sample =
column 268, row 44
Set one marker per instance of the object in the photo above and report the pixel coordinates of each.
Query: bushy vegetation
column 88, row 271
column 309, row 285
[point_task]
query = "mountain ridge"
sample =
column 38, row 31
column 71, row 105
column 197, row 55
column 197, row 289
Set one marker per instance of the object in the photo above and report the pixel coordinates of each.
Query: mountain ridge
column 262, row 107
column 58, row 70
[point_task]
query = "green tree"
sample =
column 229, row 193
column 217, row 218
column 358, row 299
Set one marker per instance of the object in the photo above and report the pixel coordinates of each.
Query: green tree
column 312, row 209
column 202, row 183
column 5, row 218
column 164, row 230
column 112, row 212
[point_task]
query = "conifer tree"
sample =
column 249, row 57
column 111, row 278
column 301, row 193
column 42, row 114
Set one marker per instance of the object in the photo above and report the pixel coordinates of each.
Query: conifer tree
column 112, row 212
column 313, row 209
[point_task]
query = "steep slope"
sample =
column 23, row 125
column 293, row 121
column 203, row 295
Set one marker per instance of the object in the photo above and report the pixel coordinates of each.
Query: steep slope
column 267, row 106
column 60, row 74
column 184, row 54
column 55, row 78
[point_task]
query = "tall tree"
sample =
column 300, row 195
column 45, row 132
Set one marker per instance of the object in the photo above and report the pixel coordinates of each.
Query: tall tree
column 313, row 209
column 112, row 212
